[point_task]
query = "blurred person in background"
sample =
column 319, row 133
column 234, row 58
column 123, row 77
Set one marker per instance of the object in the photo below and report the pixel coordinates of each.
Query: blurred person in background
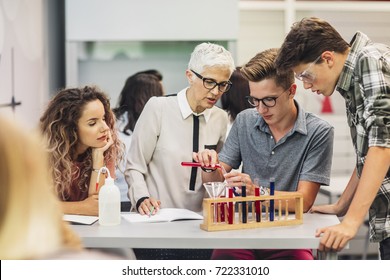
column 138, row 89
column 234, row 101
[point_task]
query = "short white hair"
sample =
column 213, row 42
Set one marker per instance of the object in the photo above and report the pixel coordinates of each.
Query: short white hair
column 210, row 55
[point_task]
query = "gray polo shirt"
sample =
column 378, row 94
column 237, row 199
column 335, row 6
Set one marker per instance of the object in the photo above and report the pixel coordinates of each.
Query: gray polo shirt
column 303, row 154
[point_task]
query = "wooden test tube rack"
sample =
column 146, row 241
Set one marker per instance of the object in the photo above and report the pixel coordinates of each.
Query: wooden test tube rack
column 211, row 223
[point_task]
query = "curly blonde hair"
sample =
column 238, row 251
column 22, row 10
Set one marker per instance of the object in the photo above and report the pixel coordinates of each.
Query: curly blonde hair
column 59, row 127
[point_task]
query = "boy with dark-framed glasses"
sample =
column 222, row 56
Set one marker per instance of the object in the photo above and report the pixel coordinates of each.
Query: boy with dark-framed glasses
column 277, row 138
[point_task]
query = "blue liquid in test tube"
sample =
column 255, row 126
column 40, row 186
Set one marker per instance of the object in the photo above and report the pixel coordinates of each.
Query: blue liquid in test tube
column 272, row 202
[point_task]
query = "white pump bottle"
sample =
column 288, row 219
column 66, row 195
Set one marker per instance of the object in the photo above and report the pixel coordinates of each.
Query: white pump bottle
column 109, row 202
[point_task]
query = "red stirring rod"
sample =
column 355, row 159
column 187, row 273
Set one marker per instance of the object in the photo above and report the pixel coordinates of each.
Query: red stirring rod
column 197, row 164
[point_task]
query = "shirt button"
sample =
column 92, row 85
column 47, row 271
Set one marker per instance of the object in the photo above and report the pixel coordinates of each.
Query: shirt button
column 272, row 137
column 272, row 152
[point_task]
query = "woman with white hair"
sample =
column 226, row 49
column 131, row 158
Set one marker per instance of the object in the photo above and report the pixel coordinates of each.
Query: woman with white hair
column 170, row 129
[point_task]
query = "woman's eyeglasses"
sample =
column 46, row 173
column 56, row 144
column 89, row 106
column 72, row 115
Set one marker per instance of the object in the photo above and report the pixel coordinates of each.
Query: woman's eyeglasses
column 211, row 84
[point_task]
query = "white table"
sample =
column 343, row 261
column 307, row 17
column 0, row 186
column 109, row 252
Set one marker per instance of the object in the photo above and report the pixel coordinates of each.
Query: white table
column 187, row 234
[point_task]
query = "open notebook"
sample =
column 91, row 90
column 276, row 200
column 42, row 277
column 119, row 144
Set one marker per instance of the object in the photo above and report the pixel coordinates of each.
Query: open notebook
column 163, row 215
column 80, row 219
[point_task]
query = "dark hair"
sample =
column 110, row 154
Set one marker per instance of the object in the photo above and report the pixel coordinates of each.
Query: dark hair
column 138, row 89
column 262, row 66
column 234, row 100
column 308, row 39
column 153, row 72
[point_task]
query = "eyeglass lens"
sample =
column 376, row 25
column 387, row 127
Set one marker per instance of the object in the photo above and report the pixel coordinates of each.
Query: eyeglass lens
column 307, row 76
column 211, row 84
column 268, row 101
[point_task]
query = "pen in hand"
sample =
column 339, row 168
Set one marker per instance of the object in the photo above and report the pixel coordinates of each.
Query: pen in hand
column 151, row 211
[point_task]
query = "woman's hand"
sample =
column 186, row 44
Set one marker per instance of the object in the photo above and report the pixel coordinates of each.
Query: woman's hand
column 149, row 206
column 98, row 153
column 108, row 141
column 90, row 205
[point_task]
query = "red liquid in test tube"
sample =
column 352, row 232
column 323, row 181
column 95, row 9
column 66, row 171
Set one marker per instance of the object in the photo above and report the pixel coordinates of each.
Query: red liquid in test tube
column 230, row 207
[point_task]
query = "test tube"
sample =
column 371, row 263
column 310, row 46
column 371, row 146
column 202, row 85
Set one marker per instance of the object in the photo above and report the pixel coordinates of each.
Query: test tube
column 257, row 204
column 280, row 209
column 231, row 207
column 272, row 202
column 286, row 212
column 244, row 205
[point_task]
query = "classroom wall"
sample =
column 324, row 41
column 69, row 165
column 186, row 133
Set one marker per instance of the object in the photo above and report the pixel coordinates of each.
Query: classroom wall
column 262, row 29
column 105, row 50
column 32, row 45
column 23, row 71
column 109, row 64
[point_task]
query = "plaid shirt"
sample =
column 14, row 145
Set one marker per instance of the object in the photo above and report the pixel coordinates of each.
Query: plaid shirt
column 365, row 85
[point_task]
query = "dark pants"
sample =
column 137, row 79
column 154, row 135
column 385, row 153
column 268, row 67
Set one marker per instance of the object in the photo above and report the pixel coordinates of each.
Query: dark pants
column 384, row 249
column 173, row 254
